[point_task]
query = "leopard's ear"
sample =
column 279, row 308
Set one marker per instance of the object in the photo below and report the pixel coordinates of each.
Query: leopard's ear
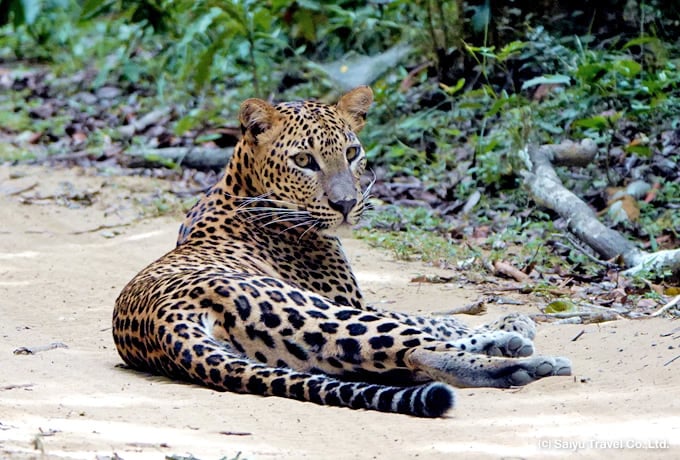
column 256, row 116
column 354, row 105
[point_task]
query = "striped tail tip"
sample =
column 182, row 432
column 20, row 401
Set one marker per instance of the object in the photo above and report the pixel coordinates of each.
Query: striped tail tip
column 426, row 400
column 432, row 400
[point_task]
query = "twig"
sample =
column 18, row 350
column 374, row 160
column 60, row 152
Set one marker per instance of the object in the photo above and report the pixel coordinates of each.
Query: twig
column 586, row 317
column 192, row 157
column 235, row 433
column 559, row 315
column 17, row 386
column 506, row 269
column 578, row 336
column 104, row 227
column 478, row 307
column 599, row 307
column 524, row 289
column 667, row 363
column 38, row 349
column 668, row 334
column 434, row 279
column 666, row 307
column 575, row 245
column 69, row 156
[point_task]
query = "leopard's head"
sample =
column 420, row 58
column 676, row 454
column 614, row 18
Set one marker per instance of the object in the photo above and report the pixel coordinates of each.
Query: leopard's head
column 306, row 157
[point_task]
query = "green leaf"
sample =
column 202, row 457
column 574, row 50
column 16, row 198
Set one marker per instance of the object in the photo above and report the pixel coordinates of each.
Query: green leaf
column 132, row 71
column 591, row 73
column 207, row 137
column 187, row 122
column 549, row 127
column 596, row 122
column 510, row 49
column 31, row 9
column 199, row 26
column 560, row 306
column 306, row 24
column 499, row 104
column 451, row 90
column 155, row 158
column 263, row 20
column 205, row 63
column 237, row 13
column 640, row 41
column 313, row 6
column 627, row 67
column 640, row 150
column 92, row 8
column 556, row 79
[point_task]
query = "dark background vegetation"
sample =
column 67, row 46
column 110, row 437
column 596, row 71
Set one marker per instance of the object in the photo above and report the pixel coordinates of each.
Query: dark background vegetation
column 460, row 86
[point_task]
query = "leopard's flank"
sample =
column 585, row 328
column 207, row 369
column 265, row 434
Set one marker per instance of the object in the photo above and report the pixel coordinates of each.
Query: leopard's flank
column 258, row 297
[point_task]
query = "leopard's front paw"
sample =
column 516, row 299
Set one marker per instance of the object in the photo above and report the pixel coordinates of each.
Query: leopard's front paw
column 532, row 369
column 496, row 343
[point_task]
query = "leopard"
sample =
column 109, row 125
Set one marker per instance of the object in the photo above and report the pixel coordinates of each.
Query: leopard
column 258, row 297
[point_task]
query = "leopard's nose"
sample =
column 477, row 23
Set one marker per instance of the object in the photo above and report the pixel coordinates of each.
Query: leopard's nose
column 342, row 206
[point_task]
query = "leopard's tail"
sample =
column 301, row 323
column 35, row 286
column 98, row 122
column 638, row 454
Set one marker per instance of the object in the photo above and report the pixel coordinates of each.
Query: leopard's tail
column 218, row 368
column 425, row 400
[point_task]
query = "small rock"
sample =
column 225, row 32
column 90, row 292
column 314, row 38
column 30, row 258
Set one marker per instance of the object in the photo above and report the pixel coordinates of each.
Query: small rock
column 86, row 98
column 108, row 92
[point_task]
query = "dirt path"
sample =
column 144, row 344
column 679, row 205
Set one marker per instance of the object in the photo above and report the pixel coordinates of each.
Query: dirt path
column 60, row 273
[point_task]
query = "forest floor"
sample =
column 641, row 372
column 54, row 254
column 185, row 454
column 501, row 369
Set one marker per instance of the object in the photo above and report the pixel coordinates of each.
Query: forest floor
column 69, row 241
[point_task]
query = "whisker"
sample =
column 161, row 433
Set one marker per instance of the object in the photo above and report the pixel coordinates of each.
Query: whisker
column 299, row 224
column 263, row 198
column 305, row 222
column 277, row 218
column 314, row 224
column 366, row 193
column 260, row 213
column 282, row 219
column 273, row 212
column 262, row 209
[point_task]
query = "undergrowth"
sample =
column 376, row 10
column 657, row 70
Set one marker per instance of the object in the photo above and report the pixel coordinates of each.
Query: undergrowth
column 480, row 82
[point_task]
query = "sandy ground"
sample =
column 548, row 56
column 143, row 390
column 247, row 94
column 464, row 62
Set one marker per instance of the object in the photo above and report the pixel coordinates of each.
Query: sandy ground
column 60, row 272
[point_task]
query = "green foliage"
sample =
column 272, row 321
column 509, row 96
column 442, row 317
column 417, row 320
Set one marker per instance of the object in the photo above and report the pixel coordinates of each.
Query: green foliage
column 410, row 233
column 19, row 12
column 11, row 153
column 481, row 83
column 29, row 27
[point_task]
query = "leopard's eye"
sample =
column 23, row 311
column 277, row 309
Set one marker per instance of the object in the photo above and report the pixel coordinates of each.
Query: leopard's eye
column 306, row 161
column 351, row 153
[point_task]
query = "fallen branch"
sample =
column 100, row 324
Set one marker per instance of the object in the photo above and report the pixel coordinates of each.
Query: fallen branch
column 547, row 190
column 509, row 270
column 581, row 317
column 478, row 307
column 191, row 157
column 104, row 227
column 666, row 307
column 39, row 348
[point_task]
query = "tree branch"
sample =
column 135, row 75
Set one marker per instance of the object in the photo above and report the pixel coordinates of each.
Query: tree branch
column 190, row 157
column 547, row 190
